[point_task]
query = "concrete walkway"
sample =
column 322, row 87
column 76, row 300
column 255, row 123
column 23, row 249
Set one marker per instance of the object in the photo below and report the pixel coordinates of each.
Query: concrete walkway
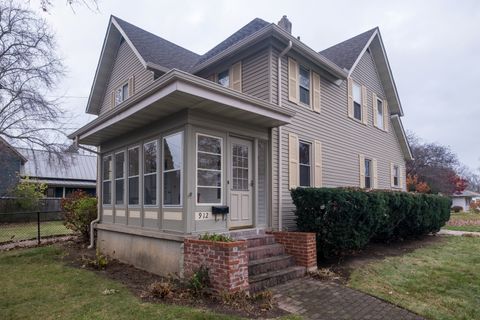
column 314, row 299
column 459, row 233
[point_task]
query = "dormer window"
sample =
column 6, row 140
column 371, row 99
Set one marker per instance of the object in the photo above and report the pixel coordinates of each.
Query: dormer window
column 121, row 94
column 224, row 78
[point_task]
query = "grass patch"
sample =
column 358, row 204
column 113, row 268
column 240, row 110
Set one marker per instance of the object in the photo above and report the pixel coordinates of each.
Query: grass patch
column 439, row 282
column 36, row 285
column 463, row 228
column 465, row 216
column 27, row 231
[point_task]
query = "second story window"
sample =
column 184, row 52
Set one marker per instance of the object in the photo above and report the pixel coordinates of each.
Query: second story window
column 380, row 114
column 224, row 78
column 121, row 94
column 304, row 85
column 305, row 163
column 357, row 101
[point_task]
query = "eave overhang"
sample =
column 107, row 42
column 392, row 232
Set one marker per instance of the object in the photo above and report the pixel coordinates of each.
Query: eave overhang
column 176, row 91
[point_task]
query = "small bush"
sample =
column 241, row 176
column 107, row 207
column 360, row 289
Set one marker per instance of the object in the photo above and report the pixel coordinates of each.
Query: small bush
column 347, row 219
column 457, row 209
column 80, row 209
column 199, row 281
column 161, row 289
column 215, row 237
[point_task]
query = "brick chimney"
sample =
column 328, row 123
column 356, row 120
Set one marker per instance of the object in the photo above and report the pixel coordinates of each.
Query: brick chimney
column 285, row 24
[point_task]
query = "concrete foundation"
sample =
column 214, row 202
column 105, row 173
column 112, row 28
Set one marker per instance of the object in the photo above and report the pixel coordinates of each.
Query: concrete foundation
column 156, row 254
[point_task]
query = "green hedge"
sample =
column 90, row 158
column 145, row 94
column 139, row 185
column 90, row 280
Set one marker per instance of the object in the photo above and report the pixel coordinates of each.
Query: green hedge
column 347, row 219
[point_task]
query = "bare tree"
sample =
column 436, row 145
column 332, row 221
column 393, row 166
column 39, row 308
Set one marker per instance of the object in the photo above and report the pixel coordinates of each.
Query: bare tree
column 29, row 70
column 46, row 5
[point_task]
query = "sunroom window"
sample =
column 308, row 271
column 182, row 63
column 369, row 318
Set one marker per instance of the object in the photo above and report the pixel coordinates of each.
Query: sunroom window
column 120, row 178
column 209, row 169
column 150, row 173
column 107, row 180
column 133, row 176
column 172, row 169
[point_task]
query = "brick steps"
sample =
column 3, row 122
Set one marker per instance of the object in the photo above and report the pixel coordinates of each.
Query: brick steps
column 272, row 278
column 259, row 266
column 265, row 251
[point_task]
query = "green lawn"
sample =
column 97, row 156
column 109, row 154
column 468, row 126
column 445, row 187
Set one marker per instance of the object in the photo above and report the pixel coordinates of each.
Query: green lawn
column 26, row 231
column 464, row 222
column 36, row 285
column 439, row 282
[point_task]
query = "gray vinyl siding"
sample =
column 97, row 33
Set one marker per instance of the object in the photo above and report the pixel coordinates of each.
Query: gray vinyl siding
column 255, row 75
column 126, row 65
column 343, row 139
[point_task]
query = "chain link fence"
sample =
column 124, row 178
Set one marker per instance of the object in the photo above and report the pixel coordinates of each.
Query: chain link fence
column 16, row 225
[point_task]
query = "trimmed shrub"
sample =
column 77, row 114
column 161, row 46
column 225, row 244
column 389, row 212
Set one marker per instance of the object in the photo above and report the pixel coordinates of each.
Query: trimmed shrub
column 347, row 219
column 80, row 209
column 457, row 209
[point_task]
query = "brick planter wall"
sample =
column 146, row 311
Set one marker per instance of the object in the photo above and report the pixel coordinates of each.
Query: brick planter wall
column 301, row 245
column 227, row 263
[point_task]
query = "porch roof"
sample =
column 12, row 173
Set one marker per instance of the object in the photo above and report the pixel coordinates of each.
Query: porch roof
column 175, row 91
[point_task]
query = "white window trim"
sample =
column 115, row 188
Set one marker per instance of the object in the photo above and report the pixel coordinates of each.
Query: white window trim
column 155, row 205
column 122, row 178
column 109, row 180
column 196, row 170
column 163, row 171
column 138, row 175
column 310, row 105
column 300, row 164
column 121, row 87
column 354, row 83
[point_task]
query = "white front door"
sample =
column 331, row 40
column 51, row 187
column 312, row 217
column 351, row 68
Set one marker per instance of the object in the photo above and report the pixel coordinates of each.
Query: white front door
column 241, row 183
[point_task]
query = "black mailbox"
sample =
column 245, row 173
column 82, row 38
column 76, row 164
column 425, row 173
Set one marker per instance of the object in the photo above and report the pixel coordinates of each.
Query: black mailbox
column 220, row 209
column 223, row 210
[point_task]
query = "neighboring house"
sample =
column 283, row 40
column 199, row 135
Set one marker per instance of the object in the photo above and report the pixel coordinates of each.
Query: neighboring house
column 11, row 162
column 464, row 199
column 62, row 175
column 184, row 136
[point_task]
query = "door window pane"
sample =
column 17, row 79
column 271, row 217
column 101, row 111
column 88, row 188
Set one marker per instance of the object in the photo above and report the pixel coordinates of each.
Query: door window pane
column 240, row 167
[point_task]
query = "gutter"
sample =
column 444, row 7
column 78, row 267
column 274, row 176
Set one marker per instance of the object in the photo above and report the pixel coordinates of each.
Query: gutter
column 279, row 102
column 97, row 220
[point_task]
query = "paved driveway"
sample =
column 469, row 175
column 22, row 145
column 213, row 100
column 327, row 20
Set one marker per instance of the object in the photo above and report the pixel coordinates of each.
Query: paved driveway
column 314, row 299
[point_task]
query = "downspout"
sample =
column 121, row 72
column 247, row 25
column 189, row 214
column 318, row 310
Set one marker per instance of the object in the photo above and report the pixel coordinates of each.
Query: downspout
column 279, row 101
column 94, row 222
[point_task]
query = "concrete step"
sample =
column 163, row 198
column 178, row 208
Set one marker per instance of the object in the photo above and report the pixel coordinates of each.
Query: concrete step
column 265, row 251
column 259, row 266
column 273, row 278
column 259, row 240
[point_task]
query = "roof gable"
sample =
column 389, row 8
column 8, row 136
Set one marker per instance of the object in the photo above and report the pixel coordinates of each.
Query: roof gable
column 345, row 53
column 247, row 30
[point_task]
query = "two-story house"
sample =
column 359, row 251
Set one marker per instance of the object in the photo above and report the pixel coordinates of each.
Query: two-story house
column 193, row 143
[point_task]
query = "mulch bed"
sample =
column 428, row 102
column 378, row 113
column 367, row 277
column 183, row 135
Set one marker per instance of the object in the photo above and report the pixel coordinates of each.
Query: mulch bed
column 139, row 282
column 340, row 268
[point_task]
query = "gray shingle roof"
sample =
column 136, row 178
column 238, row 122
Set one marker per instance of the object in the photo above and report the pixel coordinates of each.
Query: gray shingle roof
column 250, row 28
column 157, row 50
column 344, row 54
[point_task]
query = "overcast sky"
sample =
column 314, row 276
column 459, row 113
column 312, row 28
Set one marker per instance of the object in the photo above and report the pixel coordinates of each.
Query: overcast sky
column 433, row 48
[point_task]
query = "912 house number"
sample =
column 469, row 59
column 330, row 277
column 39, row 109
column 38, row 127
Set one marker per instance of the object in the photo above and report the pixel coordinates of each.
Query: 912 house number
column 203, row 215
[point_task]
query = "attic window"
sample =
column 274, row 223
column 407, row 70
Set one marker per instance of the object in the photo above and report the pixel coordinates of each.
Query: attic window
column 224, row 78
column 121, row 94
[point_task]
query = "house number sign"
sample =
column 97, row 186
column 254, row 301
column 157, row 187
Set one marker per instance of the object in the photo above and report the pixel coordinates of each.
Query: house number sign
column 203, row 215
